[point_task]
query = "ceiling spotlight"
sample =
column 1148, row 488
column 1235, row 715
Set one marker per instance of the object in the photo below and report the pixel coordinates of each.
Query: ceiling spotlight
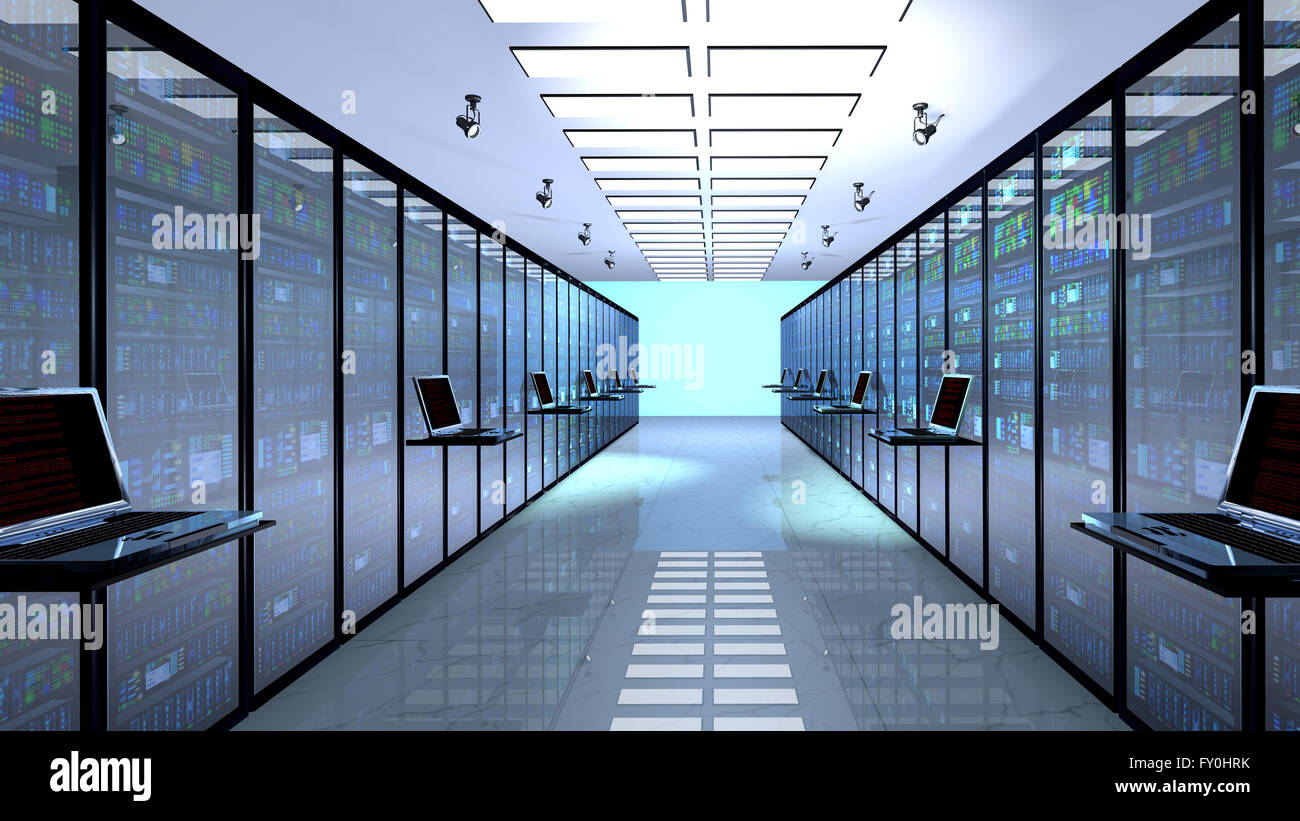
column 544, row 196
column 584, row 236
column 827, row 236
column 923, row 129
column 609, row 260
column 861, row 200
column 117, row 124
column 469, row 121
column 807, row 263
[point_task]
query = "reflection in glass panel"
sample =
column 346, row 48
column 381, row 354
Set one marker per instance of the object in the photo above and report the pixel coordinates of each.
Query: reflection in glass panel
column 173, row 379
column 1282, row 649
column 886, row 282
column 564, row 373
column 1012, row 500
column 422, row 272
column 577, row 362
column 1078, row 571
column 293, row 396
column 934, row 341
column 1183, row 300
column 370, row 393
column 516, row 380
column 533, row 433
column 966, row 319
column 462, row 367
column 855, row 365
column 589, row 356
column 908, row 342
column 1281, row 365
column 871, row 361
column 548, row 358
column 41, row 677
column 39, row 293
column 491, row 364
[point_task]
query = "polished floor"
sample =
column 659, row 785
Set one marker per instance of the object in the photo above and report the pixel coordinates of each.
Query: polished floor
column 684, row 580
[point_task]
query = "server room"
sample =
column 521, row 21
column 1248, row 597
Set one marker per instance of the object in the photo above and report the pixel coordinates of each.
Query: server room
column 696, row 365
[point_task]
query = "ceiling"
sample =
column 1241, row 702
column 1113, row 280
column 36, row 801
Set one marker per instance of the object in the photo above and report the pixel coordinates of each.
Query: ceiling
column 700, row 138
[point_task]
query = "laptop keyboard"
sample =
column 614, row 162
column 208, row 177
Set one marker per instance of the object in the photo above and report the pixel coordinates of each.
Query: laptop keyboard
column 1225, row 529
column 120, row 525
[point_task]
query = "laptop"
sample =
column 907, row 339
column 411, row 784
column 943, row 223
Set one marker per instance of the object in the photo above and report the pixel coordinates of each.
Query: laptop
column 856, row 401
column 590, row 382
column 632, row 384
column 546, row 399
column 819, row 391
column 798, row 378
column 945, row 416
column 63, row 497
column 619, row 387
column 441, row 412
column 1256, row 527
column 781, row 384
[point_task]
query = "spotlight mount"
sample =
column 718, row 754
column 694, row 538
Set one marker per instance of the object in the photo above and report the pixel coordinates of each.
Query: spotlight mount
column 609, row 260
column 807, row 263
column 922, row 128
column 861, row 200
column 584, row 236
column 827, row 236
column 469, row 121
column 116, row 134
column 544, row 196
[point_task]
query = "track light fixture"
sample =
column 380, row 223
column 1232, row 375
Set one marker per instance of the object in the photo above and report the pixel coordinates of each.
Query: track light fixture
column 117, row 124
column 584, row 236
column 469, row 121
column 827, row 236
column 807, row 263
column 544, row 196
column 861, row 200
column 609, row 260
column 923, row 129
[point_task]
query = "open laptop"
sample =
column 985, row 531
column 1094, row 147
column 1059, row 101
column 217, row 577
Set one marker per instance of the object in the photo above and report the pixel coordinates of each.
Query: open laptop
column 1256, row 528
column 858, row 398
column 620, row 388
column 819, row 392
column 798, row 379
column 546, row 398
column 632, row 384
column 781, row 384
column 945, row 416
column 590, row 382
column 440, row 409
column 63, row 498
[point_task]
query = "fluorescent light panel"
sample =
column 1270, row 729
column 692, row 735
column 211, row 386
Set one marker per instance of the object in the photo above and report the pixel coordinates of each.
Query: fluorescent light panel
column 630, row 138
column 620, row 201
column 773, row 141
column 655, row 63
column 758, row 200
column 583, row 11
column 659, row 215
column 666, row 164
column 762, row 183
column 746, row 246
column 754, row 215
column 648, row 184
column 667, row 255
column 772, row 64
column 782, row 108
column 663, row 226
column 622, row 106
column 677, row 235
column 752, row 236
column 767, row 164
column 670, row 246
column 751, row 226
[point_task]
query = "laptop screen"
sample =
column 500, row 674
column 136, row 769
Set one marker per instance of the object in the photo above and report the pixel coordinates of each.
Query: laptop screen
column 1266, row 466
column 784, row 371
column 543, row 387
column 438, row 402
column 821, row 381
column 591, row 382
column 860, row 389
column 55, row 457
column 798, row 378
column 949, row 403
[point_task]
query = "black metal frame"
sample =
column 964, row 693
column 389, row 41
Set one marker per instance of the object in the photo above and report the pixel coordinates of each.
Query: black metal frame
column 1112, row 89
column 94, row 16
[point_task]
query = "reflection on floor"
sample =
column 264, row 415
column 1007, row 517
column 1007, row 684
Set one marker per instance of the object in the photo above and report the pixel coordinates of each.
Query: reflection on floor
column 678, row 581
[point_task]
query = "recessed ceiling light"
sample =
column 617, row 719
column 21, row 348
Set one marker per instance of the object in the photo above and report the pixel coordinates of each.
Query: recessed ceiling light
column 650, row 184
column 746, row 257
column 633, row 201
column 662, row 254
column 773, row 141
column 762, row 183
column 630, row 138
column 656, row 107
column 663, row 226
column 659, row 215
column 669, row 246
column 769, row 66
column 603, row 164
column 750, row 226
column 746, row 246
column 754, row 215
column 609, row 64
column 782, row 108
column 676, row 235
column 583, row 11
column 751, row 236
column 767, row 164
column 758, row 200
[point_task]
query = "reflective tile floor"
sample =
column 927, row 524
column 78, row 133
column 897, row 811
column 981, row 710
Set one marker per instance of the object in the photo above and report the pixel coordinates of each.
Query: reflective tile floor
column 681, row 581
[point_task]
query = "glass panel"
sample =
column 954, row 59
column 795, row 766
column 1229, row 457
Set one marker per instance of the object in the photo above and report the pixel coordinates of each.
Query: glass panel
column 1282, row 684
column 577, row 362
column 934, row 341
column 564, row 370
column 462, row 367
column 516, row 379
column 293, row 397
column 855, row 365
column 39, row 293
column 1012, row 522
column 173, row 378
column 491, row 365
column 966, row 318
column 1183, row 283
column 908, row 346
column 1078, row 571
column 589, row 355
column 872, row 361
column 549, row 348
column 422, row 258
column 369, row 389
column 41, row 677
column 885, row 273
column 533, row 432
column 1281, row 364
